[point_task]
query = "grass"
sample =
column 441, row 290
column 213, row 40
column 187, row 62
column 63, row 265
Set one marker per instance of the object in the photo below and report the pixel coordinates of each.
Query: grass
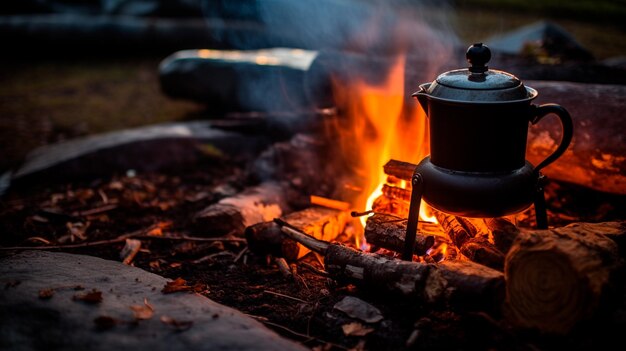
column 44, row 102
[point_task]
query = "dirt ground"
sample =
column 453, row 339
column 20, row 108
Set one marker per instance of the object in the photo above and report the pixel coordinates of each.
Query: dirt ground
column 157, row 206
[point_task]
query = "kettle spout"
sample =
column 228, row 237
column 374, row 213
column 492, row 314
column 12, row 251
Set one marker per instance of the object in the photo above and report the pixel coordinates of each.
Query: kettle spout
column 422, row 96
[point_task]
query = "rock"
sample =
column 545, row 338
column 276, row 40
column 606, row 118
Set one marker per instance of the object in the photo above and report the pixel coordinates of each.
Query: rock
column 251, row 80
column 143, row 149
column 38, row 310
column 359, row 309
column 540, row 38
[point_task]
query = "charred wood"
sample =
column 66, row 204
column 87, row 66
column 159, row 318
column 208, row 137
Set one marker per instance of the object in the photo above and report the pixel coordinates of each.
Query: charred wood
column 456, row 228
column 388, row 232
column 396, row 193
column 319, row 222
column 457, row 284
column 233, row 214
column 560, row 277
column 503, row 231
column 480, row 250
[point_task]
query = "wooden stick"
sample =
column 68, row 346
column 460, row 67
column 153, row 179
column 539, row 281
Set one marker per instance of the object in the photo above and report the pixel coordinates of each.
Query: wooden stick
column 399, row 169
column 330, row 203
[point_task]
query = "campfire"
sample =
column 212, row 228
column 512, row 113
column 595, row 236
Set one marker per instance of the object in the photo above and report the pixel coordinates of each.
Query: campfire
column 429, row 208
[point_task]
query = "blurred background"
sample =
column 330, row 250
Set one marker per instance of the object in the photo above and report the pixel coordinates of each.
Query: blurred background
column 72, row 68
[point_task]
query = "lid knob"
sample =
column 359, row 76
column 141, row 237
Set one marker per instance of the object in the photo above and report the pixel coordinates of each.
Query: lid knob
column 478, row 55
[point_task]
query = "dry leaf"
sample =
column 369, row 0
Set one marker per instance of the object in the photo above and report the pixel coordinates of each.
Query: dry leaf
column 178, row 284
column 178, row 325
column 356, row 329
column 93, row 297
column 45, row 294
column 142, row 312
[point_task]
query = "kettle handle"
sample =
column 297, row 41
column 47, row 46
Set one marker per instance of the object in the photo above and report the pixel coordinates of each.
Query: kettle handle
column 566, row 124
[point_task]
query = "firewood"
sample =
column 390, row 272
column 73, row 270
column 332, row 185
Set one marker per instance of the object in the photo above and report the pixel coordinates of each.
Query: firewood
column 462, row 232
column 456, row 284
column 457, row 228
column 480, row 250
column 388, row 232
column 399, row 169
column 320, row 222
column 233, row 214
column 595, row 158
column 560, row 277
column 503, row 231
column 396, row 193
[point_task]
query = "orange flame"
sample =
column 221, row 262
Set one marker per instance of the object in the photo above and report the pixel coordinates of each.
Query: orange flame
column 383, row 124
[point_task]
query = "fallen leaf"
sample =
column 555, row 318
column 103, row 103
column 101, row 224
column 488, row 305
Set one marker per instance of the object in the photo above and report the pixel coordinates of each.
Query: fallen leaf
column 356, row 329
column 46, row 294
column 180, row 284
column 142, row 312
column 92, row 297
column 106, row 322
column 176, row 324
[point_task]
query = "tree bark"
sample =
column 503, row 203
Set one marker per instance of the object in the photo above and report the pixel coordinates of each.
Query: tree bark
column 450, row 284
column 557, row 278
column 388, row 232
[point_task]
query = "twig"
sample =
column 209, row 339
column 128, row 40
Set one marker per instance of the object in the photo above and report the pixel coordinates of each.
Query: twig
column 96, row 210
column 329, row 203
column 192, row 238
column 213, row 255
column 240, row 254
column 283, row 267
column 119, row 239
column 285, row 296
column 314, row 269
column 302, row 237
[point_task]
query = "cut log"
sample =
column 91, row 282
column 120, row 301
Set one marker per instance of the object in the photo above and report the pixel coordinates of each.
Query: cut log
column 595, row 158
column 454, row 284
column 388, row 232
column 319, row 222
column 557, row 278
column 233, row 214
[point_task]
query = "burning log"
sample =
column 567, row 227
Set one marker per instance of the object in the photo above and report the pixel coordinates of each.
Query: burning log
column 396, row 193
column 463, row 234
column 233, row 214
column 557, row 278
column 318, row 222
column 465, row 285
column 457, row 228
column 388, row 232
column 503, row 231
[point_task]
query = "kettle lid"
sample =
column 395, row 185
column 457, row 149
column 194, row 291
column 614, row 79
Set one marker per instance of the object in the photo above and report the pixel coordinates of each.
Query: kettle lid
column 478, row 83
